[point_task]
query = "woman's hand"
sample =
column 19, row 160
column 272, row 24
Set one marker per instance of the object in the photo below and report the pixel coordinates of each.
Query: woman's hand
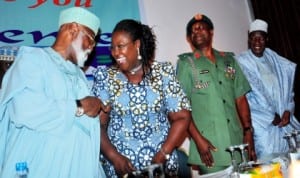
column 159, row 158
column 122, row 165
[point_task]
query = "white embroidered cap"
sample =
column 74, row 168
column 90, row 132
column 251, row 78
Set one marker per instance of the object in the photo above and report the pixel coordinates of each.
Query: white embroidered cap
column 81, row 16
column 258, row 25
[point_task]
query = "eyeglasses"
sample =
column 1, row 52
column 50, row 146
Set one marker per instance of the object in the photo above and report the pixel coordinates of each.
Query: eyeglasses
column 120, row 46
column 91, row 38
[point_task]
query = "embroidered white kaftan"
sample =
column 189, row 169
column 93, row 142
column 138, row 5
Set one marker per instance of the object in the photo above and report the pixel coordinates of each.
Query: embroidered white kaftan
column 271, row 78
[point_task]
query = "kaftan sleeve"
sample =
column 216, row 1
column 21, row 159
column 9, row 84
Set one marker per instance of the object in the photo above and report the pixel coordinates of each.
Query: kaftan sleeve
column 25, row 100
column 290, row 74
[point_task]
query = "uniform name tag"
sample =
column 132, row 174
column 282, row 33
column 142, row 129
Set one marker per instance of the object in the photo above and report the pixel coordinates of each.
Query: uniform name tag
column 204, row 71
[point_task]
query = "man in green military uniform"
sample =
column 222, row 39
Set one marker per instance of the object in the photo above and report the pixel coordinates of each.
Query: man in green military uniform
column 216, row 88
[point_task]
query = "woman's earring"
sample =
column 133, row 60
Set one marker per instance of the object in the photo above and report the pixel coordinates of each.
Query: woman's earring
column 139, row 56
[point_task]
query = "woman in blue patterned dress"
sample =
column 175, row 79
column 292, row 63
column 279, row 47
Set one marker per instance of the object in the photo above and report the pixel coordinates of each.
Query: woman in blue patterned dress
column 150, row 113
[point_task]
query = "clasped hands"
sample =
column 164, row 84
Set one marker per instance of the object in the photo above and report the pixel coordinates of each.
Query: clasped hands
column 93, row 105
column 281, row 121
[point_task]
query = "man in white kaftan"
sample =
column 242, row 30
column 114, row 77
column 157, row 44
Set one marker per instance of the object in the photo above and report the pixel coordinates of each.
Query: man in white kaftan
column 271, row 100
column 40, row 94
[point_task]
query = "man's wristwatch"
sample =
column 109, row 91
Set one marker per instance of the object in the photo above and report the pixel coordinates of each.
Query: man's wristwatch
column 79, row 110
column 167, row 156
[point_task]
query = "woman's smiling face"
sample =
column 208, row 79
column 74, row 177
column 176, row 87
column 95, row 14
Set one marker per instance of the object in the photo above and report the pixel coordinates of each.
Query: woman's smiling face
column 124, row 50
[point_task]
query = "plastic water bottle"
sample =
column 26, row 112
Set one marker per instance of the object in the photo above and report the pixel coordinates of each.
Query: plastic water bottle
column 21, row 170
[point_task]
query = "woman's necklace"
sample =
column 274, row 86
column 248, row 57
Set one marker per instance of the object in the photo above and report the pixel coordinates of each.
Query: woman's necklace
column 134, row 70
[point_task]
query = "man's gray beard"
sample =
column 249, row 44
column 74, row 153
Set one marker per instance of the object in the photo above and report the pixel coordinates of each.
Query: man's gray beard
column 81, row 56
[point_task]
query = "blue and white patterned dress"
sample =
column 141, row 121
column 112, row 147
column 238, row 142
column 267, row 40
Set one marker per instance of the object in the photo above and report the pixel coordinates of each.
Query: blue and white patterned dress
column 139, row 117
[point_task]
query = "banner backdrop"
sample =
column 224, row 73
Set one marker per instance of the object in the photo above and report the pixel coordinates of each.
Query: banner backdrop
column 35, row 22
